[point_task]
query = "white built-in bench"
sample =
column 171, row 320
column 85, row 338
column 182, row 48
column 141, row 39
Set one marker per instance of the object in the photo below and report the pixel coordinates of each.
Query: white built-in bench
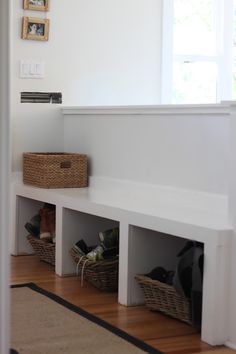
column 154, row 222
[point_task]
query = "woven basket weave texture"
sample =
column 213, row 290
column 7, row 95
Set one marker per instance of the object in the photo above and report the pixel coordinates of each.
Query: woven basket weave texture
column 55, row 170
column 102, row 274
column 164, row 298
column 45, row 250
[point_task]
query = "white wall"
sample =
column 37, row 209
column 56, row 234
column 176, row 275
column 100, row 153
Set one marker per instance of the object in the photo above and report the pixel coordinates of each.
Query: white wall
column 104, row 52
column 188, row 151
column 35, row 127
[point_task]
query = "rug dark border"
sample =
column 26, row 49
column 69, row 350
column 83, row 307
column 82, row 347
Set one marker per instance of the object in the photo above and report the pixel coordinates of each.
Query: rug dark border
column 135, row 341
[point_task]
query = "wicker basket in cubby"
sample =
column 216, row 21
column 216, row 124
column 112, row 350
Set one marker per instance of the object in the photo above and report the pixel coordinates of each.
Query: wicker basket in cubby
column 45, row 250
column 102, row 274
column 164, row 298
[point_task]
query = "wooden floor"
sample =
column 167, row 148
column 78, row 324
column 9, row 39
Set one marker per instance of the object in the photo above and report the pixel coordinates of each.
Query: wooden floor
column 166, row 334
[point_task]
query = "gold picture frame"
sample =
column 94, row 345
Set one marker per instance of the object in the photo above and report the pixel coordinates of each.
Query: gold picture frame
column 35, row 29
column 36, row 5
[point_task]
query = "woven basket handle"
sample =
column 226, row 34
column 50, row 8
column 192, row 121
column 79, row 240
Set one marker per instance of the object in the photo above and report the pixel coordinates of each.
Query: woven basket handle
column 65, row 164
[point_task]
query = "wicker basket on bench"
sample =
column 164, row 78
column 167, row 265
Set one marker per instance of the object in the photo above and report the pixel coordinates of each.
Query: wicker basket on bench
column 164, row 298
column 55, row 170
column 45, row 250
column 102, row 274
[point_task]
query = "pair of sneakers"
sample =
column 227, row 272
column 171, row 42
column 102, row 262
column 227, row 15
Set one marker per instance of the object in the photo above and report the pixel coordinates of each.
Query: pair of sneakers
column 108, row 247
column 94, row 253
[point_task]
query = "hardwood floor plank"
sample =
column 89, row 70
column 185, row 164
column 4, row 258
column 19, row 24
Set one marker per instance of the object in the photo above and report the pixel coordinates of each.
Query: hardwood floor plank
column 180, row 344
column 162, row 332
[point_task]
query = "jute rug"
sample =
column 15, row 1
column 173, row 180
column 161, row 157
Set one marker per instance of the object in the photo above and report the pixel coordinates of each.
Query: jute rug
column 43, row 323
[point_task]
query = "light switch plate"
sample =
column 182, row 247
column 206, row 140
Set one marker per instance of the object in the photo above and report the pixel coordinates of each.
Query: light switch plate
column 32, row 69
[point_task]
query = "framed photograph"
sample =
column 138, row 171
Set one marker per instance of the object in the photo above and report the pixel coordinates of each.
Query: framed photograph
column 35, row 29
column 38, row 5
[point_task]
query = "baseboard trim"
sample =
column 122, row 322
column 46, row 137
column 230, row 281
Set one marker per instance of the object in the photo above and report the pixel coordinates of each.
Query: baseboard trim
column 230, row 345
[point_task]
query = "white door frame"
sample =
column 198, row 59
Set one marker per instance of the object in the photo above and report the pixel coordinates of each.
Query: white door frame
column 4, row 175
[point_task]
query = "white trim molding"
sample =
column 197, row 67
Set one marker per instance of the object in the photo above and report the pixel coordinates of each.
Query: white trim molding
column 160, row 110
column 230, row 345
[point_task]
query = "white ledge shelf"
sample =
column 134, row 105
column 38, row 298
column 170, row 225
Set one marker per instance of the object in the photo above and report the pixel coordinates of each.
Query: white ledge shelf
column 223, row 108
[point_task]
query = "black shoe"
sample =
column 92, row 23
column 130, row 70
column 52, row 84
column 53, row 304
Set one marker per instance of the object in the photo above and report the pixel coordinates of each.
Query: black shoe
column 33, row 227
column 81, row 247
column 110, row 253
column 158, row 273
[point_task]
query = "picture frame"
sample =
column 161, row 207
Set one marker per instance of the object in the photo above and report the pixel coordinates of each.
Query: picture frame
column 35, row 29
column 36, row 5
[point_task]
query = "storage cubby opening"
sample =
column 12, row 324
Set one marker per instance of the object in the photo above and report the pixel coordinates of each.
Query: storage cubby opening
column 76, row 226
column 151, row 249
column 155, row 248
column 26, row 210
